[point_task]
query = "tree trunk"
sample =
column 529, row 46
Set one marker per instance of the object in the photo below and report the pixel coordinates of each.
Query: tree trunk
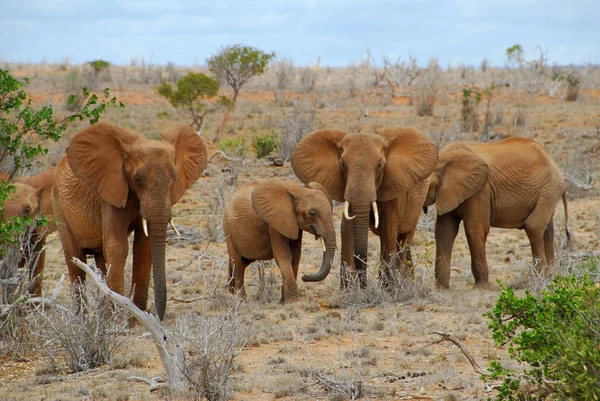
column 221, row 128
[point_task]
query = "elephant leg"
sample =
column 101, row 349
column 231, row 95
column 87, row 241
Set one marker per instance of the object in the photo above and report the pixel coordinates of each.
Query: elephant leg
column 38, row 242
column 446, row 229
column 283, row 257
column 403, row 242
column 536, row 240
column 100, row 262
column 549, row 243
column 142, row 266
column 347, row 269
column 115, row 250
column 477, row 231
column 296, row 250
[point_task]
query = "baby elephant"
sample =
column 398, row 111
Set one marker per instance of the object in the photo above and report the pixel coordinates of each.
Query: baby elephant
column 513, row 183
column 265, row 221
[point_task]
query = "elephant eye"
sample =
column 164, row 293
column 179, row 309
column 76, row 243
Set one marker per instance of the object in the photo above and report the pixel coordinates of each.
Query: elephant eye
column 27, row 210
column 137, row 179
column 379, row 164
column 342, row 164
column 313, row 213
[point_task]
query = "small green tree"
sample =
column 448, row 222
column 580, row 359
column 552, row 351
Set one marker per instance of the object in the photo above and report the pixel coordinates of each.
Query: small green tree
column 99, row 65
column 236, row 64
column 192, row 94
column 516, row 54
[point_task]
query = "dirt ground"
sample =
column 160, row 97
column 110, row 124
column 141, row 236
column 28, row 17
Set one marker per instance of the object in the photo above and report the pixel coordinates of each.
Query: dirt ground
column 387, row 346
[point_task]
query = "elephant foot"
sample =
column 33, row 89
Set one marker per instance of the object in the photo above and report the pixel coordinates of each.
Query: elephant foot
column 484, row 285
column 442, row 286
column 289, row 299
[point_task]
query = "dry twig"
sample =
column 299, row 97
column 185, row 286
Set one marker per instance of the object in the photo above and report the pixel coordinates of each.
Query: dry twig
column 463, row 348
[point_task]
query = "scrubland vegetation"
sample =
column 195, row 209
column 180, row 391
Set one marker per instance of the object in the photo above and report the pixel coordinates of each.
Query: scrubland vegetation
column 530, row 336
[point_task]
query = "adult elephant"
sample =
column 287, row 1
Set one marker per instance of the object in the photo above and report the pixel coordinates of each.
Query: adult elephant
column 114, row 181
column 33, row 197
column 385, row 172
column 265, row 221
column 513, row 183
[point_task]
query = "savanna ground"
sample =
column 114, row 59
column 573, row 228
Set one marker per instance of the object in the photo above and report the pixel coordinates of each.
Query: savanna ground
column 385, row 344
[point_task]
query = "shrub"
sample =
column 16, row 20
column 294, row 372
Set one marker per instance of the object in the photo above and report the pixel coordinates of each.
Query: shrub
column 91, row 338
column 426, row 89
column 263, row 145
column 99, row 65
column 468, row 112
column 233, row 147
column 292, row 129
column 555, row 336
column 192, row 93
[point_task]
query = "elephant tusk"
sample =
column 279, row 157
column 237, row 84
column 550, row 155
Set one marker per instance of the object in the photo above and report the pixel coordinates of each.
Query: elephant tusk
column 145, row 226
column 346, row 208
column 174, row 228
column 376, row 213
column 323, row 244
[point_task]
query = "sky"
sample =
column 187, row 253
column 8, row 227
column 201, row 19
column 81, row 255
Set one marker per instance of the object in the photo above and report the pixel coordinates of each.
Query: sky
column 336, row 32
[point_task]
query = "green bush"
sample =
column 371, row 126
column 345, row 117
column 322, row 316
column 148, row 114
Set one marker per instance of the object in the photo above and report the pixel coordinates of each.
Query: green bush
column 555, row 337
column 99, row 65
column 233, row 147
column 263, row 145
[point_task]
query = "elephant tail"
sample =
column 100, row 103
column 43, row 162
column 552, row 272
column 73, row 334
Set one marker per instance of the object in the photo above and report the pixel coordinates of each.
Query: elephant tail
column 567, row 232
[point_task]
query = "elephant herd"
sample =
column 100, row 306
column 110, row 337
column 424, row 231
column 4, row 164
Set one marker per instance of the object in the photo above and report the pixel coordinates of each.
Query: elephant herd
column 114, row 181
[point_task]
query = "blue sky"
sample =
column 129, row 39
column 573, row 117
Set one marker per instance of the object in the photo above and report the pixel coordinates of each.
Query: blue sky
column 338, row 31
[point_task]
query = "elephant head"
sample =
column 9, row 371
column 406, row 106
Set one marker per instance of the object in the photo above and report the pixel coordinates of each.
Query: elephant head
column 23, row 202
column 123, row 165
column 460, row 173
column 360, row 169
column 289, row 208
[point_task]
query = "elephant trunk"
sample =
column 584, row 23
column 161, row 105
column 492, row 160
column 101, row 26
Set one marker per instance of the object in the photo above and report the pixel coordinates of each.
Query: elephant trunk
column 326, row 263
column 158, row 233
column 360, row 232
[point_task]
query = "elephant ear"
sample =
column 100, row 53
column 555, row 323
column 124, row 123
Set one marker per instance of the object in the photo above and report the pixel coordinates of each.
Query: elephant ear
column 96, row 156
column 274, row 204
column 316, row 158
column 190, row 157
column 411, row 157
column 463, row 174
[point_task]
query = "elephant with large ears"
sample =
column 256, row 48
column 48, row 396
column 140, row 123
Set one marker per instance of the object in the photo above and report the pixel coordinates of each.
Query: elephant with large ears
column 266, row 221
column 382, row 178
column 114, row 181
column 513, row 183
column 33, row 197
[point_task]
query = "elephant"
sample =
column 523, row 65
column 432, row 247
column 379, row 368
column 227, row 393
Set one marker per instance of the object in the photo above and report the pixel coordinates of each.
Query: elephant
column 512, row 183
column 265, row 220
column 113, row 181
column 382, row 178
column 33, row 196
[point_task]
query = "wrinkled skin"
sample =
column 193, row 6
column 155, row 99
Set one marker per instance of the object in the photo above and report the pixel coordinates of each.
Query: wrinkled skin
column 513, row 183
column 110, row 181
column 390, row 167
column 266, row 221
column 33, row 196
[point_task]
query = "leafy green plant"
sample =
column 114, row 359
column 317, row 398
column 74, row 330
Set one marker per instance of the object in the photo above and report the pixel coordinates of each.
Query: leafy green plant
column 263, row 145
column 233, row 147
column 192, row 94
column 468, row 112
column 23, row 130
column 236, row 64
column 554, row 336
